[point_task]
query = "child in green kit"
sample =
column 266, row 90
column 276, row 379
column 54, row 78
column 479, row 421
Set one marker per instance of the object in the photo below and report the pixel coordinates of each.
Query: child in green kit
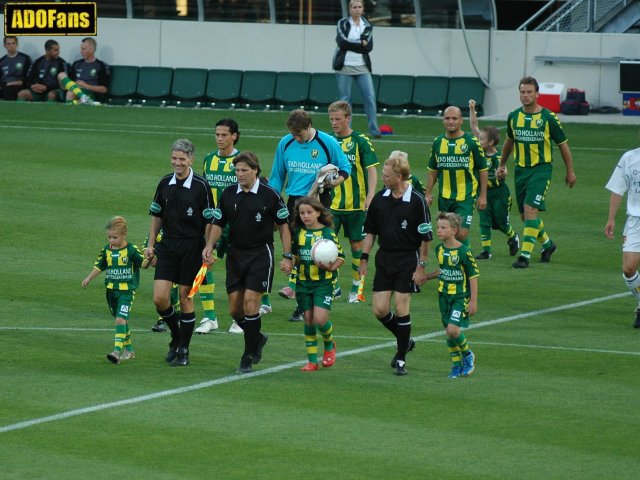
column 314, row 285
column 121, row 263
column 457, row 290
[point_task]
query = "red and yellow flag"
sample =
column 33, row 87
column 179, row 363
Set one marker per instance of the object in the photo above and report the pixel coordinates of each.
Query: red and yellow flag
column 198, row 280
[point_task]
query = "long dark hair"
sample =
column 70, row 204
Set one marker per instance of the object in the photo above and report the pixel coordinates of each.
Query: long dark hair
column 325, row 217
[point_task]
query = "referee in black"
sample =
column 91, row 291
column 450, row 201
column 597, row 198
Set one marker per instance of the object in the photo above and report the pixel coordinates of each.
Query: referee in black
column 399, row 217
column 183, row 209
column 251, row 209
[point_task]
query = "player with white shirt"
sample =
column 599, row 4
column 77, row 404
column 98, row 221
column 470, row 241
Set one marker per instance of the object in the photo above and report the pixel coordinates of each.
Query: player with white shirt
column 626, row 179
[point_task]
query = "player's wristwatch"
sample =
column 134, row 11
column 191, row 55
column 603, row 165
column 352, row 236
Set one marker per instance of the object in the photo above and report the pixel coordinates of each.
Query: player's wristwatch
column 288, row 256
column 422, row 263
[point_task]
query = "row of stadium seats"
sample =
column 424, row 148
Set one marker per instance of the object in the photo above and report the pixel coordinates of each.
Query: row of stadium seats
column 190, row 87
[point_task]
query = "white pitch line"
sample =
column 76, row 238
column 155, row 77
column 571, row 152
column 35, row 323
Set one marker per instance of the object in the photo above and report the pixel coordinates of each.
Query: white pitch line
column 279, row 368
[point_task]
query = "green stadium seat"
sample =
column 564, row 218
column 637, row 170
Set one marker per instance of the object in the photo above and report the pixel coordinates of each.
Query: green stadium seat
column 430, row 94
column 395, row 93
column 323, row 90
column 357, row 104
column 223, row 87
column 122, row 84
column 188, row 86
column 461, row 89
column 258, row 87
column 292, row 89
column 154, row 85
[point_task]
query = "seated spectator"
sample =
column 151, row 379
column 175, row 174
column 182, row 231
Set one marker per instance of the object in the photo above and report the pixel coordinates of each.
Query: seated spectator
column 42, row 78
column 88, row 78
column 13, row 69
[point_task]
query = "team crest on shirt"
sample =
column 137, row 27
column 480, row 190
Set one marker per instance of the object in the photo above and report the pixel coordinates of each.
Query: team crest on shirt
column 347, row 146
column 454, row 259
column 53, row 70
column 315, row 153
column 93, row 72
column 125, row 260
column 539, row 122
column 19, row 66
column 403, row 224
column 258, row 217
column 464, row 147
column 189, row 212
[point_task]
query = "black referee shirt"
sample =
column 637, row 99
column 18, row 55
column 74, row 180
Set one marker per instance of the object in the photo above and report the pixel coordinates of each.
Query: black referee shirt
column 401, row 224
column 251, row 215
column 185, row 206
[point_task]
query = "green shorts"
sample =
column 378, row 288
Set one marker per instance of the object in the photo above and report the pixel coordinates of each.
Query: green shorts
column 314, row 294
column 532, row 184
column 352, row 221
column 454, row 309
column 120, row 302
column 464, row 209
column 496, row 215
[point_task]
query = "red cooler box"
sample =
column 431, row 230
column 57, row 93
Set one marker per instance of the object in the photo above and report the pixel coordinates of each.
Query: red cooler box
column 551, row 96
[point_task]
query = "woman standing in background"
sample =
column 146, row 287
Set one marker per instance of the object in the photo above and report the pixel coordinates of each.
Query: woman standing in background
column 351, row 60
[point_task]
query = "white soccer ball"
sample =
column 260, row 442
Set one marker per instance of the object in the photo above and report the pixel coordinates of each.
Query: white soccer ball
column 324, row 251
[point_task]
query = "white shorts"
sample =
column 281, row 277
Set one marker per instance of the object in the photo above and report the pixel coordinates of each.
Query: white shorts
column 632, row 235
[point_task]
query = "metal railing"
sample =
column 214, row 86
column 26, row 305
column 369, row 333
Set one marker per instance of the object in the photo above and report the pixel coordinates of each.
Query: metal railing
column 573, row 16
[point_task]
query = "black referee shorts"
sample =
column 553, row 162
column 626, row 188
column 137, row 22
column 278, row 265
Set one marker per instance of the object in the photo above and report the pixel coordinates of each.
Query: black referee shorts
column 394, row 271
column 179, row 259
column 250, row 269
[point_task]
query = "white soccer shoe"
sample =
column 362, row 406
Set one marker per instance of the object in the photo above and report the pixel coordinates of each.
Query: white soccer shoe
column 207, row 325
column 353, row 298
column 235, row 328
column 264, row 309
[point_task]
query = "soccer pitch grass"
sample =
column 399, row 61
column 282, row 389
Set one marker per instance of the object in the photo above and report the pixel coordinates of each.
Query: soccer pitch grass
column 555, row 394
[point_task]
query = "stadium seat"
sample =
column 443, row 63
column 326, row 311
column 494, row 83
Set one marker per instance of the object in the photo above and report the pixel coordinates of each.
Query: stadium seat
column 292, row 89
column 461, row 89
column 395, row 93
column 122, row 84
column 356, row 97
column 257, row 88
column 430, row 94
column 154, row 85
column 188, row 86
column 323, row 90
column 223, row 87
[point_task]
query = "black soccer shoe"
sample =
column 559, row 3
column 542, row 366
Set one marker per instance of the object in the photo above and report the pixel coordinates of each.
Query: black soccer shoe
column 412, row 345
column 182, row 358
column 159, row 327
column 514, row 245
column 522, row 262
column 401, row 368
column 171, row 354
column 484, row 255
column 245, row 364
column 545, row 257
column 636, row 324
column 256, row 356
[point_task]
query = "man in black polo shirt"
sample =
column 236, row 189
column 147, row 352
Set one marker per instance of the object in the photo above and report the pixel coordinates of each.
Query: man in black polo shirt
column 183, row 208
column 251, row 209
column 399, row 217
column 13, row 69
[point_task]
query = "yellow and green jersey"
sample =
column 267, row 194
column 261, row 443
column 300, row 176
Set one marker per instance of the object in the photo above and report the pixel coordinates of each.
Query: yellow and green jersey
column 458, row 162
column 416, row 184
column 351, row 194
column 457, row 266
column 303, row 241
column 493, row 162
column 121, row 267
column 532, row 134
column 219, row 172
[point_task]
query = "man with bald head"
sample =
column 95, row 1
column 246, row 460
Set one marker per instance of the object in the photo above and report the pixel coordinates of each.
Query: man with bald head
column 457, row 163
